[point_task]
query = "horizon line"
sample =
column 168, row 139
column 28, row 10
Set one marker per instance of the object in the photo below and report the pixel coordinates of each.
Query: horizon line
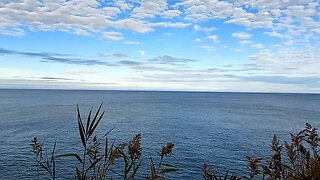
column 150, row 90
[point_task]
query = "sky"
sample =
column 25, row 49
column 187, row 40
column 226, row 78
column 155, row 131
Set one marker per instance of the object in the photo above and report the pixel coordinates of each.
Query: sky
column 181, row 45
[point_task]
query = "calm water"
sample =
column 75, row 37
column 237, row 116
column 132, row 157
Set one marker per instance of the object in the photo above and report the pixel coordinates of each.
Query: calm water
column 218, row 128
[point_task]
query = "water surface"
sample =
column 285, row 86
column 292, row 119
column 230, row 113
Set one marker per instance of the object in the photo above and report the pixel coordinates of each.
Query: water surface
column 218, row 128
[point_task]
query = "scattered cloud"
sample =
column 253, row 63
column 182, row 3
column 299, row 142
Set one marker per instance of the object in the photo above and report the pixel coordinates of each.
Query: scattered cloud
column 56, row 78
column 113, row 56
column 196, row 27
column 241, row 35
column 29, row 54
column 208, row 48
column 54, row 57
column 130, row 63
column 258, row 46
column 132, row 24
column 141, row 52
column 76, row 73
column 112, row 35
column 213, row 38
column 283, row 18
column 238, row 50
column 275, row 34
column 149, row 9
column 245, row 42
column 131, row 42
column 170, row 24
column 197, row 40
column 171, row 13
column 74, row 61
column 170, row 60
column 53, row 83
column 290, row 27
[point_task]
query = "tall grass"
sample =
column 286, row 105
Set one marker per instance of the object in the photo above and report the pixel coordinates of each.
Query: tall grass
column 99, row 158
column 298, row 159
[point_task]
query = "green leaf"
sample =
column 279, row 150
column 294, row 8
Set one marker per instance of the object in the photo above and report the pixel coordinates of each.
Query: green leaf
column 106, row 134
column 52, row 154
column 153, row 170
column 106, row 149
column 44, row 167
column 95, row 118
column 94, row 163
column 53, row 162
column 79, row 176
column 95, row 126
column 226, row 175
column 88, row 121
column 125, row 158
column 135, row 170
column 168, row 170
column 81, row 128
column 71, row 155
column 129, row 168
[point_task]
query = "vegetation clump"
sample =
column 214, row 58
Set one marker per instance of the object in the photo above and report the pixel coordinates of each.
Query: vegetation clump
column 120, row 161
column 298, row 159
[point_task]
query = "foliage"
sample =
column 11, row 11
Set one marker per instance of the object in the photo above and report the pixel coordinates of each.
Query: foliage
column 207, row 174
column 295, row 160
column 101, row 163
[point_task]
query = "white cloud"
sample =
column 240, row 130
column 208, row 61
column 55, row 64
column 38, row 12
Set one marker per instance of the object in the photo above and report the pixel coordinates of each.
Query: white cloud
column 170, row 24
column 141, row 52
column 149, row 9
column 315, row 30
column 131, row 42
column 205, row 29
column 111, row 12
column 245, row 42
column 208, row 48
column 134, row 25
column 197, row 27
column 274, row 34
column 82, row 32
column 238, row 50
column 258, row 46
column 283, row 19
column 112, row 35
column 171, row 13
column 241, row 35
column 203, row 10
column 197, row 40
column 288, row 61
column 123, row 4
column 13, row 32
column 213, row 38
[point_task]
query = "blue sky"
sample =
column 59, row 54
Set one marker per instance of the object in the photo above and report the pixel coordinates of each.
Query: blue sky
column 192, row 45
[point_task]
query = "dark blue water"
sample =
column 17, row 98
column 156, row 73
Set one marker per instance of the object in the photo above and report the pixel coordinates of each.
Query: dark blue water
column 218, row 128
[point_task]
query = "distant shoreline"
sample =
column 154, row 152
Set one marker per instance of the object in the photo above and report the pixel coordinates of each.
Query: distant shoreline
column 164, row 91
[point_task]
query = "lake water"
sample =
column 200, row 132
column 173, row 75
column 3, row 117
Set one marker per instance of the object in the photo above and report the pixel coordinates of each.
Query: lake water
column 217, row 128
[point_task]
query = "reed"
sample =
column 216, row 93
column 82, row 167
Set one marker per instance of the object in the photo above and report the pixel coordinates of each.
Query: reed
column 101, row 160
column 298, row 159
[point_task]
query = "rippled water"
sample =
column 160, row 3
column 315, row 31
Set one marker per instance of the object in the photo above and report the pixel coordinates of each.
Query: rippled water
column 218, row 128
